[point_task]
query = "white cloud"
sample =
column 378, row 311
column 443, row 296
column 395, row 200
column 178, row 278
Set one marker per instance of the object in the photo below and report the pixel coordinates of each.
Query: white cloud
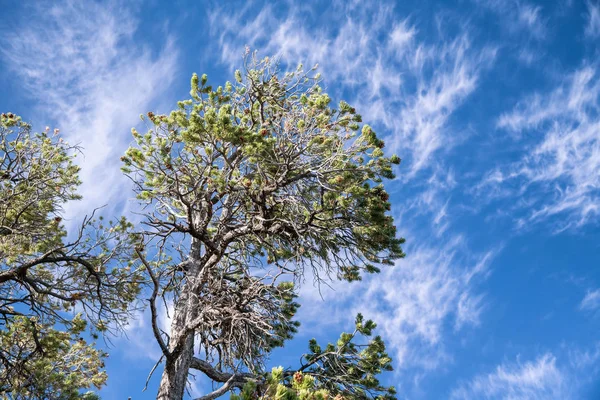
column 592, row 28
column 530, row 18
column 540, row 379
column 138, row 342
column 422, row 299
column 445, row 76
column 402, row 37
column 585, row 360
column 431, row 200
column 528, row 56
column 566, row 374
column 591, row 301
column 518, row 16
column 80, row 64
column 558, row 175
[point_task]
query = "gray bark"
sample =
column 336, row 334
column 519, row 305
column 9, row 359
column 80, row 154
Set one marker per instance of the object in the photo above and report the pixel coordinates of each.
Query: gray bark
column 181, row 338
column 181, row 347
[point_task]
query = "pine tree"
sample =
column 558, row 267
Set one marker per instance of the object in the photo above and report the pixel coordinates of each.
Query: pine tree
column 54, row 287
column 248, row 186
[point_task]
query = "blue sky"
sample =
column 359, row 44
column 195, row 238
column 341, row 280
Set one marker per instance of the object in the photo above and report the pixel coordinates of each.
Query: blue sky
column 494, row 107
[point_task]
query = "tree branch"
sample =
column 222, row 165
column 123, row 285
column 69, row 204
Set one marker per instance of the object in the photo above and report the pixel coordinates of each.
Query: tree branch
column 152, row 300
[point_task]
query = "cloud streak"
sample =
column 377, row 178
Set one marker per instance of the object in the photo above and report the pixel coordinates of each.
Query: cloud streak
column 540, row 379
column 563, row 375
column 558, row 174
column 518, row 16
column 591, row 301
column 424, row 299
column 592, row 29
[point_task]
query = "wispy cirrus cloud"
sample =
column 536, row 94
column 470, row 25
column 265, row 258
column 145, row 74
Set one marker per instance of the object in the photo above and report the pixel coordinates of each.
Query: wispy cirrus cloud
column 81, row 66
column 529, row 17
column 524, row 25
column 591, row 301
column 518, row 16
column 425, row 299
column 540, row 379
column 558, row 175
column 565, row 374
column 418, row 303
column 592, row 28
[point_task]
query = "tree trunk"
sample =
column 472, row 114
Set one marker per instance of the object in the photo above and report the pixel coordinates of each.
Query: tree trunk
column 175, row 374
column 181, row 339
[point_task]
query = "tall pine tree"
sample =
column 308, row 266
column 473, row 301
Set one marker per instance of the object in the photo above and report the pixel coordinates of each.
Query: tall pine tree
column 248, row 186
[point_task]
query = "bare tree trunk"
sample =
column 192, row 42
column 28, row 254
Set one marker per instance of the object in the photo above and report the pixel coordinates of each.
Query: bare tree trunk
column 173, row 382
column 181, row 338
column 175, row 374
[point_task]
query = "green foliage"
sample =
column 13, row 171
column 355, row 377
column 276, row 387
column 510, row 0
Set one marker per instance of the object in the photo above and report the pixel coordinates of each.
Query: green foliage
column 284, row 327
column 357, row 364
column 349, row 368
column 45, row 276
column 66, row 364
column 276, row 386
column 277, row 166
column 37, row 175
column 345, row 370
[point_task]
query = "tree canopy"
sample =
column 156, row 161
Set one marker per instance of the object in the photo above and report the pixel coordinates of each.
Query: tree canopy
column 53, row 286
column 249, row 185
